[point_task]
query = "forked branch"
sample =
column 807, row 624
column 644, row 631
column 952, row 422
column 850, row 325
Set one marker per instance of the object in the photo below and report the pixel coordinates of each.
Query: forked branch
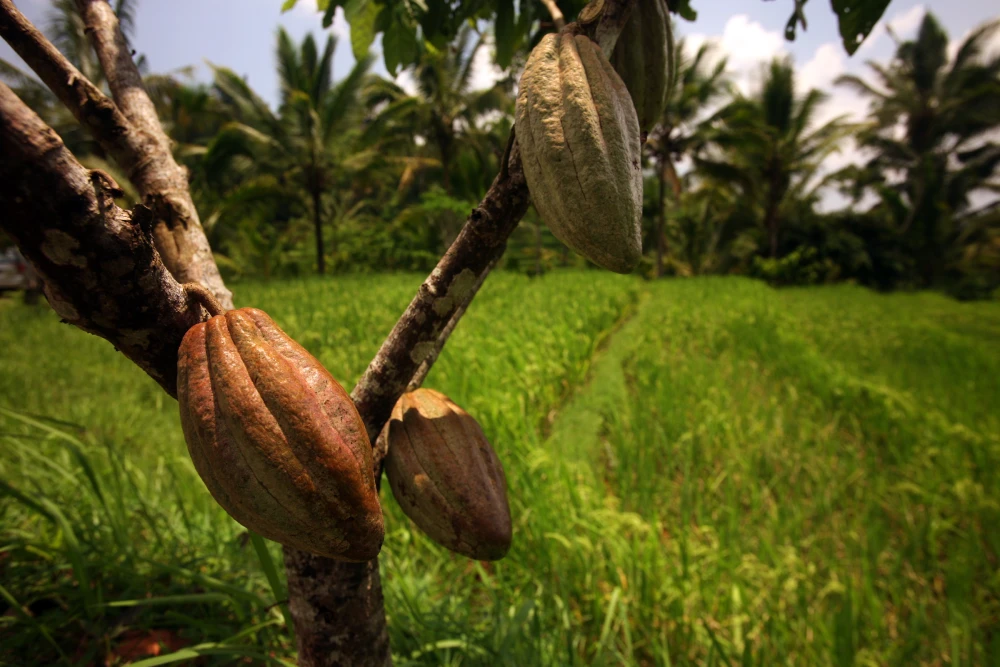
column 97, row 261
column 128, row 129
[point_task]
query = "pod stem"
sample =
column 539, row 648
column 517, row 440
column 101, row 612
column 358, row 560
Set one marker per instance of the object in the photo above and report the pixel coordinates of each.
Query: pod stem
column 202, row 296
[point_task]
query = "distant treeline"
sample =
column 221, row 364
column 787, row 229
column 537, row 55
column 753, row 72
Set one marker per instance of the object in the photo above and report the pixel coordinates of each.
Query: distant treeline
column 362, row 174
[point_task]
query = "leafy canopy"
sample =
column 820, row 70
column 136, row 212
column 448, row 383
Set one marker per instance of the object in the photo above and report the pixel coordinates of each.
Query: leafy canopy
column 406, row 24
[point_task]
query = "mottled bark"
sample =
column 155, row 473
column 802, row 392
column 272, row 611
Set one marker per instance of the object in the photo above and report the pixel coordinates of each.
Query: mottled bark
column 99, row 267
column 382, row 443
column 92, row 108
column 446, row 289
column 340, row 608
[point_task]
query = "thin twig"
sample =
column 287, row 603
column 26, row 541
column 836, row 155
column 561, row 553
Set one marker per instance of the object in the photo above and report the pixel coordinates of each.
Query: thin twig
column 197, row 293
column 557, row 15
column 178, row 234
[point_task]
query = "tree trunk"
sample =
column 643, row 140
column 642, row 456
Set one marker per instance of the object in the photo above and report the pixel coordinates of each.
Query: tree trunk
column 342, row 603
column 667, row 173
column 772, row 222
column 318, row 226
column 128, row 129
column 538, row 248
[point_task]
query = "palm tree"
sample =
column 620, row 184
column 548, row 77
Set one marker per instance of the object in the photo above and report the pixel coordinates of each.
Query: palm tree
column 930, row 131
column 681, row 131
column 768, row 148
column 307, row 149
column 445, row 112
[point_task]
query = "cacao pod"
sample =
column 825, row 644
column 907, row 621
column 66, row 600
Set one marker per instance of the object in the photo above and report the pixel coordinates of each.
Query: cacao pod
column 643, row 58
column 580, row 150
column 446, row 477
column 275, row 438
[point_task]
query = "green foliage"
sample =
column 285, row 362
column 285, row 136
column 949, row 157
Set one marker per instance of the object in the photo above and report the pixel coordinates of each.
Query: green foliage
column 770, row 151
column 857, row 18
column 406, row 24
column 945, row 155
column 701, row 471
column 801, row 266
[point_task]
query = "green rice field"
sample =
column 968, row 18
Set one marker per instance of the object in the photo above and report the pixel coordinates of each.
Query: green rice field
column 701, row 472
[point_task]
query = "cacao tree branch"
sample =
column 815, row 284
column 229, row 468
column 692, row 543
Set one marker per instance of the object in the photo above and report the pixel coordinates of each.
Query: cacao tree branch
column 178, row 233
column 98, row 264
column 337, row 607
column 129, row 131
column 91, row 107
column 425, row 366
column 448, row 288
column 382, row 443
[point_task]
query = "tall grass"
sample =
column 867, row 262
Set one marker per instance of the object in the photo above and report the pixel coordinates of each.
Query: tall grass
column 701, row 472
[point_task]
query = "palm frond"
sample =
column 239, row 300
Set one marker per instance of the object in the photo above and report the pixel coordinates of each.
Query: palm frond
column 344, row 98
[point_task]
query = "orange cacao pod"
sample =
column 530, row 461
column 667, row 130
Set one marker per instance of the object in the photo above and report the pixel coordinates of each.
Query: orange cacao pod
column 275, row 438
column 446, row 477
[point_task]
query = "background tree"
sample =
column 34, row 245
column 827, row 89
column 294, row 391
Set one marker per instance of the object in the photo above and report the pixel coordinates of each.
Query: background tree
column 309, row 148
column 930, row 133
column 769, row 148
column 681, row 132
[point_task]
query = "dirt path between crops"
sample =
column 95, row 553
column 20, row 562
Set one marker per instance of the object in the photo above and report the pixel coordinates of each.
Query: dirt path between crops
column 574, row 425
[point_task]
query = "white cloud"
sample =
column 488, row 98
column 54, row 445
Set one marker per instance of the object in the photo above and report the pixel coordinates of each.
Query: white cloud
column 824, row 67
column 749, row 47
column 748, row 41
column 406, row 81
column 905, row 23
column 484, row 72
column 309, row 10
column 746, row 45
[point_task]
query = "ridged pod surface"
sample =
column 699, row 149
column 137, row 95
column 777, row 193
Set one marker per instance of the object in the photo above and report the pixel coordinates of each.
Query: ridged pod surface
column 580, row 150
column 446, row 477
column 642, row 58
column 275, row 438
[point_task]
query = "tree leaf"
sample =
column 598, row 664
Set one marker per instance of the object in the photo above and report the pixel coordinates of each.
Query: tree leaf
column 399, row 44
column 287, row 5
column 683, row 8
column 505, row 33
column 857, row 18
column 362, row 16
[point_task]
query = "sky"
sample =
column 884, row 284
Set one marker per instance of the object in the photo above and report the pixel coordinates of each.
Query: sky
column 240, row 34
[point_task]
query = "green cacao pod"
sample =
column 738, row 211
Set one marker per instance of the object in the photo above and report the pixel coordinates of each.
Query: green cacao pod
column 275, row 438
column 642, row 57
column 580, row 150
column 446, row 477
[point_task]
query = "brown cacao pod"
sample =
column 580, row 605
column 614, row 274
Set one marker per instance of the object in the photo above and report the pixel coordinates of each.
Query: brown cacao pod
column 643, row 58
column 275, row 438
column 580, row 150
column 446, row 477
